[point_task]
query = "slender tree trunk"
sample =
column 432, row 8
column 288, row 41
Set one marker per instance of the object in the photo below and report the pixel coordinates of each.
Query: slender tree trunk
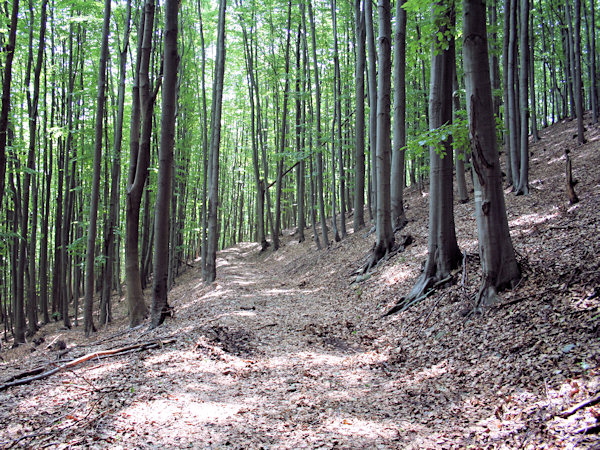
column 461, row 154
column 533, row 100
column 523, row 187
column 111, row 240
column 398, row 152
column 507, row 91
column 91, row 239
column 359, row 146
column 578, row 85
column 320, row 143
column 6, row 85
column 286, row 94
column 595, row 86
column 385, row 233
column 338, row 119
column 300, row 125
column 372, row 85
column 498, row 261
column 512, row 97
column 215, row 138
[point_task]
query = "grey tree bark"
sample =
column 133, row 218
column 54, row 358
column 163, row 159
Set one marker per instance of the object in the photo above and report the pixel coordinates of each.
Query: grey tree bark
column 385, row 233
column 112, row 224
column 398, row 151
column 320, row 144
column 578, row 85
column 160, row 308
column 523, row 186
column 443, row 252
column 88, row 321
column 141, row 115
column 372, row 85
column 359, row 143
column 6, row 85
column 498, row 261
column 215, row 138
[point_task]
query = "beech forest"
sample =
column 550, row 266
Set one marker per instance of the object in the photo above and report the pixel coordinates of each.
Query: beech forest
column 300, row 223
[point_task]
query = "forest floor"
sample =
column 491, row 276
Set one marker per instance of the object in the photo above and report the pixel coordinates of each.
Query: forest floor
column 285, row 351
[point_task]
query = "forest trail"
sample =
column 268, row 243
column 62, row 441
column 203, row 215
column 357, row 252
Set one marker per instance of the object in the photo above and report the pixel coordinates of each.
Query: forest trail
column 282, row 351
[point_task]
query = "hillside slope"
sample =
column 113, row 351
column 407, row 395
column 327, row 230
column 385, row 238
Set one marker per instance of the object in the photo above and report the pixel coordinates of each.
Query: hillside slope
column 284, row 351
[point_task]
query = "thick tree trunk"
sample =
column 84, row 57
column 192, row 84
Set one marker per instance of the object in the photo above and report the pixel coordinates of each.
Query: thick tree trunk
column 139, row 161
column 498, row 261
column 398, row 151
column 359, row 143
column 215, row 138
column 443, row 252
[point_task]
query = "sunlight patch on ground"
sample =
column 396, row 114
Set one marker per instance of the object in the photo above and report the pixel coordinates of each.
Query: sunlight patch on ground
column 529, row 220
column 350, row 426
column 179, row 407
column 427, row 373
column 394, row 274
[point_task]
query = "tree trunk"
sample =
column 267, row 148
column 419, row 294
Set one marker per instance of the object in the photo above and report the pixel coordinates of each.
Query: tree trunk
column 139, row 161
column 385, row 233
column 300, row 124
column 160, row 307
column 498, row 261
column 372, row 85
column 533, row 113
column 91, row 239
column 320, row 144
column 578, row 85
column 507, row 92
column 398, row 152
column 523, row 186
column 461, row 155
column 512, row 97
column 215, row 138
column 112, row 227
column 338, row 127
column 6, row 85
column 443, row 252
column 359, row 143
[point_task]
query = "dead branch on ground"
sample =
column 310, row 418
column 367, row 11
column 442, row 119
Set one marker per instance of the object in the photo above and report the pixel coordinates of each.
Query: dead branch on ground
column 104, row 353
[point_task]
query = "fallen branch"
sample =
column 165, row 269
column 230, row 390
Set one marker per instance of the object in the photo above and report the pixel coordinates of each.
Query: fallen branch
column 84, row 358
column 572, row 410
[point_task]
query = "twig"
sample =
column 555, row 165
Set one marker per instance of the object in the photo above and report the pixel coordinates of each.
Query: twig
column 572, row 410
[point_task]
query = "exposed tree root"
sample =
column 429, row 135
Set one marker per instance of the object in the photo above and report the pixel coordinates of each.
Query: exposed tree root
column 377, row 255
column 423, row 289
